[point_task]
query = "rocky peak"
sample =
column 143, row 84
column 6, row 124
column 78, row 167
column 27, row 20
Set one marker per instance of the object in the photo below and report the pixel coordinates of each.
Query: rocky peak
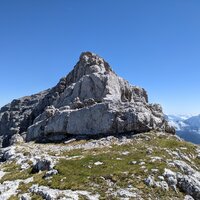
column 93, row 63
column 88, row 63
column 90, row 100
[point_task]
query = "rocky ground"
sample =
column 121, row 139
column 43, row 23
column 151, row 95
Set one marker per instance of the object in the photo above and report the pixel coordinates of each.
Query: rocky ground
column 144, row 166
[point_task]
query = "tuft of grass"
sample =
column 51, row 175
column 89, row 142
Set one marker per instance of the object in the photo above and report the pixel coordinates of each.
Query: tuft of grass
column 13, row 197
column 10, row 166
column 16, row 174
column 36, row 197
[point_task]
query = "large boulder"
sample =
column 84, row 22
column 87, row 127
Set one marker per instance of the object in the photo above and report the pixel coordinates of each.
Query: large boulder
column 90, row 100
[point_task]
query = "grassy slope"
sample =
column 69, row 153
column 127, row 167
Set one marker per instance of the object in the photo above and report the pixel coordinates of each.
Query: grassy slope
column 83, row 174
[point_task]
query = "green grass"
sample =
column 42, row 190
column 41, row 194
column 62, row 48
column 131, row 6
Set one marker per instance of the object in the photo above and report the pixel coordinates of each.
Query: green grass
column 79, row 175
column 13, row 197
column 82, row 174
column 13, row 172
column 36, row 197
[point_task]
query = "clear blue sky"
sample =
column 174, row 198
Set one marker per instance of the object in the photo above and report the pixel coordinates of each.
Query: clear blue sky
column 152, row 43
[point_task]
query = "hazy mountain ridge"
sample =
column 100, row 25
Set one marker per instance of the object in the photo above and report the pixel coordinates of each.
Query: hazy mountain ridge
column 187, row 126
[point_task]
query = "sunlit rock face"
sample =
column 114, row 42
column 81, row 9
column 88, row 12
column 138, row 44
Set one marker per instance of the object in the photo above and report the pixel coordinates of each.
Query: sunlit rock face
column 90, row 100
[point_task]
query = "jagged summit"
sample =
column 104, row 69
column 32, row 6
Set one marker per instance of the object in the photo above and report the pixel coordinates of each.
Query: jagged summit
column 90, row 100
column 88, row 63
column 92, row 63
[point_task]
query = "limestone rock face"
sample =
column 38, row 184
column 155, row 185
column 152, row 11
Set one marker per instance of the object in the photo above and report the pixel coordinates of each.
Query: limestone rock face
column 15, row 117
column 90, row 100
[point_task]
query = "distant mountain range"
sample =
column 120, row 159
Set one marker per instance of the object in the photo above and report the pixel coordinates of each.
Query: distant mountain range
column 187, row 126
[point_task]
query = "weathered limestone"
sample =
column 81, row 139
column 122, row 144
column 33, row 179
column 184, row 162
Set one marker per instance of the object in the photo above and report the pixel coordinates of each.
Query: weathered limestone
column 90, row 100
column 53, row 194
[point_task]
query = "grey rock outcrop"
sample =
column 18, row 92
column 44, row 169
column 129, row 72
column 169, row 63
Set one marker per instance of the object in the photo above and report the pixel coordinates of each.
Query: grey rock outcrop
column 53, row 194
column 187, row 181
column 43, row 164
column 90, row 100
column 16, row 116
